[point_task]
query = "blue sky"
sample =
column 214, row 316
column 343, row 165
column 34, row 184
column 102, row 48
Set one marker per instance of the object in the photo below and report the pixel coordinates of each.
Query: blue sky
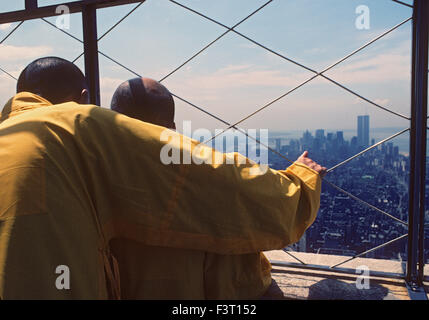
column 234, row 77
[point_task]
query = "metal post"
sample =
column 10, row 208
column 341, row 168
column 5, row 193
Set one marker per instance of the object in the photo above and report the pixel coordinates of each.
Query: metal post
column 33, row 11
column 30, row 4
column 90, row 39
column 418, row 135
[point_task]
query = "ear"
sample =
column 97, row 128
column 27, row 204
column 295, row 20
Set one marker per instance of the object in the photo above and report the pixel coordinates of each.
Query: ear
column 84, row 97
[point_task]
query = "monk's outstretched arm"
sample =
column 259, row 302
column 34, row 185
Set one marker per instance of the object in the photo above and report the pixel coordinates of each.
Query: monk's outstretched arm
column 165, row 191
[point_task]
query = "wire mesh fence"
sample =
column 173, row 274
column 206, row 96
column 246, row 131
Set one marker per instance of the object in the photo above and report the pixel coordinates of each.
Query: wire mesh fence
column 313, row 74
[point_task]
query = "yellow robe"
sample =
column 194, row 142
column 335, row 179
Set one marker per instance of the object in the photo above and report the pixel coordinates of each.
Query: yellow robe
column 76, row 178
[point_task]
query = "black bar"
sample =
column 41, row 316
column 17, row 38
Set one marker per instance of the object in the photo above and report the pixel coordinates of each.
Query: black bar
column 49, row 11
column 418, row 134
column 89, row 18
column 30, row 4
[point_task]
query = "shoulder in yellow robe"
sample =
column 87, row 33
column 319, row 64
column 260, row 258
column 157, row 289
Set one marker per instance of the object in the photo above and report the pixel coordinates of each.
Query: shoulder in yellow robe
column 76, row 177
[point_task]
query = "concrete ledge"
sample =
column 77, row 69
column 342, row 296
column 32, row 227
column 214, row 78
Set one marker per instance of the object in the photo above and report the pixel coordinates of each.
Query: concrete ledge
column 310, row 284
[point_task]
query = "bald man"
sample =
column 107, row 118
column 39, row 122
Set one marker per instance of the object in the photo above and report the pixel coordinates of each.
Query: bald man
column 145, row 99
column 146, row 272
column 75, row 177
column 149, row 272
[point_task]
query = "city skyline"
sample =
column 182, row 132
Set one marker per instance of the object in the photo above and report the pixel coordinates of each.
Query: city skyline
column 345, row 226
column 360, row 137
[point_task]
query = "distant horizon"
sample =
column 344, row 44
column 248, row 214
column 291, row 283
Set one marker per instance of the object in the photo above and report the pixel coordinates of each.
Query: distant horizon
column 378, row 134
column 335, row 130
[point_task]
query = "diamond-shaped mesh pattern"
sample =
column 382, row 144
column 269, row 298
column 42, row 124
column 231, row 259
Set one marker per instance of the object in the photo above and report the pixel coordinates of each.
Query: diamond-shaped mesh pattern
column 234, row 125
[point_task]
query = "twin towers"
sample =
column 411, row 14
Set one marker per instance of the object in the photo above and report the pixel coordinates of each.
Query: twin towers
column 363, row 131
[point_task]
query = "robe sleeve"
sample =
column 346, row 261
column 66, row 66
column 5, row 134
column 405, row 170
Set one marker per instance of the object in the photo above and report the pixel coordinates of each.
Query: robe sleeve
column 155, row 195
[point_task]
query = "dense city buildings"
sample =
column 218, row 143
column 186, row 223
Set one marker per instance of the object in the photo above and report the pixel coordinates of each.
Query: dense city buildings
column 345, row 226
column 379, row 177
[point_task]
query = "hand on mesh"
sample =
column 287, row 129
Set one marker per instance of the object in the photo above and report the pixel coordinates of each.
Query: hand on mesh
column 312, row 164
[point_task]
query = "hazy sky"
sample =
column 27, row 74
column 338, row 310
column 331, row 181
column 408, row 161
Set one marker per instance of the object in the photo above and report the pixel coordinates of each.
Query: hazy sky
column 235, row 77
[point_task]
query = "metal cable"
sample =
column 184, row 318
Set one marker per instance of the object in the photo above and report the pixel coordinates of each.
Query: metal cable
column 242, row 35
column 112, row 27
column 205, row 111
column 367, row 44
column 138, row 75
column 327, row 78
column 215, row 40
column 404, row 4
column 283, row 56
column 288, row 252
column 1, row 69
column 11, row 32
column 62, row 30
column 302, row 66
column 366, row 99
column 290, row 91
column 370, row 250
column 364, row 202
column 201, row 109
column 4, row 39
column 257, row 141
column 260, row 109
column 67, row 33
column 182, row 99
column 272, row 150
column 121, row 20
column 78, row 57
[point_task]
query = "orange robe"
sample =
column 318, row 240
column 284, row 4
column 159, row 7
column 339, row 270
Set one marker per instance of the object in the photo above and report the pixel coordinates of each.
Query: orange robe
column 76, row 178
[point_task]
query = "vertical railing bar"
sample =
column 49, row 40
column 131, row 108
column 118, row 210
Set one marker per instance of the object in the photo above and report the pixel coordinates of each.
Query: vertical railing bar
column 411, row 265
column 92, row 71
column 31, row 4
column 422, row 91
column 418, row 134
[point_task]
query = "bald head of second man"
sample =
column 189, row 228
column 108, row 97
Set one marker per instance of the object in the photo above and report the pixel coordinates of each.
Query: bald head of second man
column 146, row 100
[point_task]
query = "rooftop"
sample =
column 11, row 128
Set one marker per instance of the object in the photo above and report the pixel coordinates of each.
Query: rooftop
column 307, row 282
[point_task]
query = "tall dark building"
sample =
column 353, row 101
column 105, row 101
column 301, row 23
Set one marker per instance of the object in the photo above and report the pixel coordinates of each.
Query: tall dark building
column 320, row 134
column 363, row 131
column 340, row 137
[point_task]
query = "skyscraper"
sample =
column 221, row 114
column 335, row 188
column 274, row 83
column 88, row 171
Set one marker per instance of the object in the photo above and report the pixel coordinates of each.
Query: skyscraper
column 363, row 131
column 278, row 144
column 320, row 134
column 340, row 137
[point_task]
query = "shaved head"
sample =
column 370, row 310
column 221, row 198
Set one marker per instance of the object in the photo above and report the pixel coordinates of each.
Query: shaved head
column 54, row 79
column 146, row 100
